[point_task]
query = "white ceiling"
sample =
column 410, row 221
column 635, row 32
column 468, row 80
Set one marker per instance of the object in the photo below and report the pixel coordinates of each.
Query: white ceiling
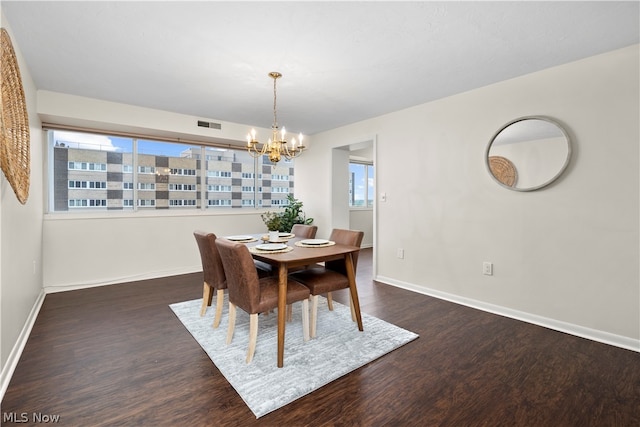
column 342, row 61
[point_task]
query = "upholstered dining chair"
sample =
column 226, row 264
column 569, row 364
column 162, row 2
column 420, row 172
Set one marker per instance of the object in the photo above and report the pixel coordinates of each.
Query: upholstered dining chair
column 213, row 271
column 333, row 275
column 253, row 294
column 304, row 231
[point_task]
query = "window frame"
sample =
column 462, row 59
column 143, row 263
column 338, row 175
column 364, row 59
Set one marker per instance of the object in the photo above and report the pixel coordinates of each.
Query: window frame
column 135, row 200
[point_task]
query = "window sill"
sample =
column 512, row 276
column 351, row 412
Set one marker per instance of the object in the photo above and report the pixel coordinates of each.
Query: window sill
column 64, row 216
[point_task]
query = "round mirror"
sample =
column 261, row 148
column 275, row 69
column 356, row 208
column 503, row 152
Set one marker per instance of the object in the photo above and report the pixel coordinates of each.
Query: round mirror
column 528, row 153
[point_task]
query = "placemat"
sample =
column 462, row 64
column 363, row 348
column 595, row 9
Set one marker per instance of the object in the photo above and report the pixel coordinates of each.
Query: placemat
column 324, row 245
column 255, row 250
column 253, row 239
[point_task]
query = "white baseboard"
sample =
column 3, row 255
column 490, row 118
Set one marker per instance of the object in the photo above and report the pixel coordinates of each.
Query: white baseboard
column 16, row 351
column 569, row 328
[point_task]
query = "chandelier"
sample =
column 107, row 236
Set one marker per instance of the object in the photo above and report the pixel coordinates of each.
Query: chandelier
column 276, row 147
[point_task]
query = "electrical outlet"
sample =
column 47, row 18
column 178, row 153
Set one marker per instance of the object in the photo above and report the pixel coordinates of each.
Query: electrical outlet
column 400, row 253
column 487, row 268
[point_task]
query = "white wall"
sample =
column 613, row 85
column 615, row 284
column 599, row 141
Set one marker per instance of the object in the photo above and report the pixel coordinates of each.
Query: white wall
column 339, row 189
column 565, row 256
column 362, row 219
column 103, row 249
column 55, row 107
column 21, row 240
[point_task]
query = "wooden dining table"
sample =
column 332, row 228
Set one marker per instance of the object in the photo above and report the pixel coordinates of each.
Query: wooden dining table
column 302, row 256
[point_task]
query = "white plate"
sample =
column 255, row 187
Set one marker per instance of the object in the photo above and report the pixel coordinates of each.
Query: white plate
column 239, row 238
column 314, row 242
column 286, row 235
column 271, row 247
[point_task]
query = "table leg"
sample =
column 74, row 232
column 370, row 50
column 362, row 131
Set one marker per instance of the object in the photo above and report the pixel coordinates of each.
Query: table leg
column 282, row 310
column 354, row 291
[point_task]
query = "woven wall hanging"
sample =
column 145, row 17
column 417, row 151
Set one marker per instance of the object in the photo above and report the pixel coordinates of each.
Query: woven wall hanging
column 14, row 122
column 503, row 170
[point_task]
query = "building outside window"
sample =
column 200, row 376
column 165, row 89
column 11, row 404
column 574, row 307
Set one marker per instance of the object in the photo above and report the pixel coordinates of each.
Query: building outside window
column 361, row 189
column 103, row 172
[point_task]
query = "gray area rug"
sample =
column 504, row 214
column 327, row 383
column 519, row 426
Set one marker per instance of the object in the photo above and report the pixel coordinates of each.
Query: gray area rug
column 338, row 349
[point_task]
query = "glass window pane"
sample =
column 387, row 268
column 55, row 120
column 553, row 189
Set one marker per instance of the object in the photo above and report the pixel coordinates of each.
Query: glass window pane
column 370, row 189
column 168, row 175
column 219, row 166
column 87, row 171
column 357, row 185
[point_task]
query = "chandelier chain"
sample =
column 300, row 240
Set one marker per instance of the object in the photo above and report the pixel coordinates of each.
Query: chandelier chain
column 275, row 116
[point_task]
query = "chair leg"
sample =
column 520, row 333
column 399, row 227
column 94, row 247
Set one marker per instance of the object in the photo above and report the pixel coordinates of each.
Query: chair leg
column 253, row 336
column 232, row 322
column 219, row 303
column 305, row 319
column 314, row 315
column 330, row 301
column 207, row 295
column 289, row 312
column 353, row 310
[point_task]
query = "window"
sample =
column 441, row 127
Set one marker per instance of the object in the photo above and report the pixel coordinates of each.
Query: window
column 219, row 202
column 190, row 172
column 174, row 202
column 87, row 166
column 111, row 173
column 182, row 187
column 223, row 174
column 146, row 169
column 146, row 186
column 83, row 203
column 277, row 177
column 219, row 188
column 361, row 185
column 87, row 184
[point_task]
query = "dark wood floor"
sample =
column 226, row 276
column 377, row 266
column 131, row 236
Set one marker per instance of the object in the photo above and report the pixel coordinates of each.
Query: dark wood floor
column 117, row 356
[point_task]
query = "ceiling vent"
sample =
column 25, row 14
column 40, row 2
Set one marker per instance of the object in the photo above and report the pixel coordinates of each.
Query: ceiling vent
column 211, row 125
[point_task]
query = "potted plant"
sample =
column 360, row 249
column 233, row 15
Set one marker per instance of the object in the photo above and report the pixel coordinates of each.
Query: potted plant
column 293, row 215
column 272, row 220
